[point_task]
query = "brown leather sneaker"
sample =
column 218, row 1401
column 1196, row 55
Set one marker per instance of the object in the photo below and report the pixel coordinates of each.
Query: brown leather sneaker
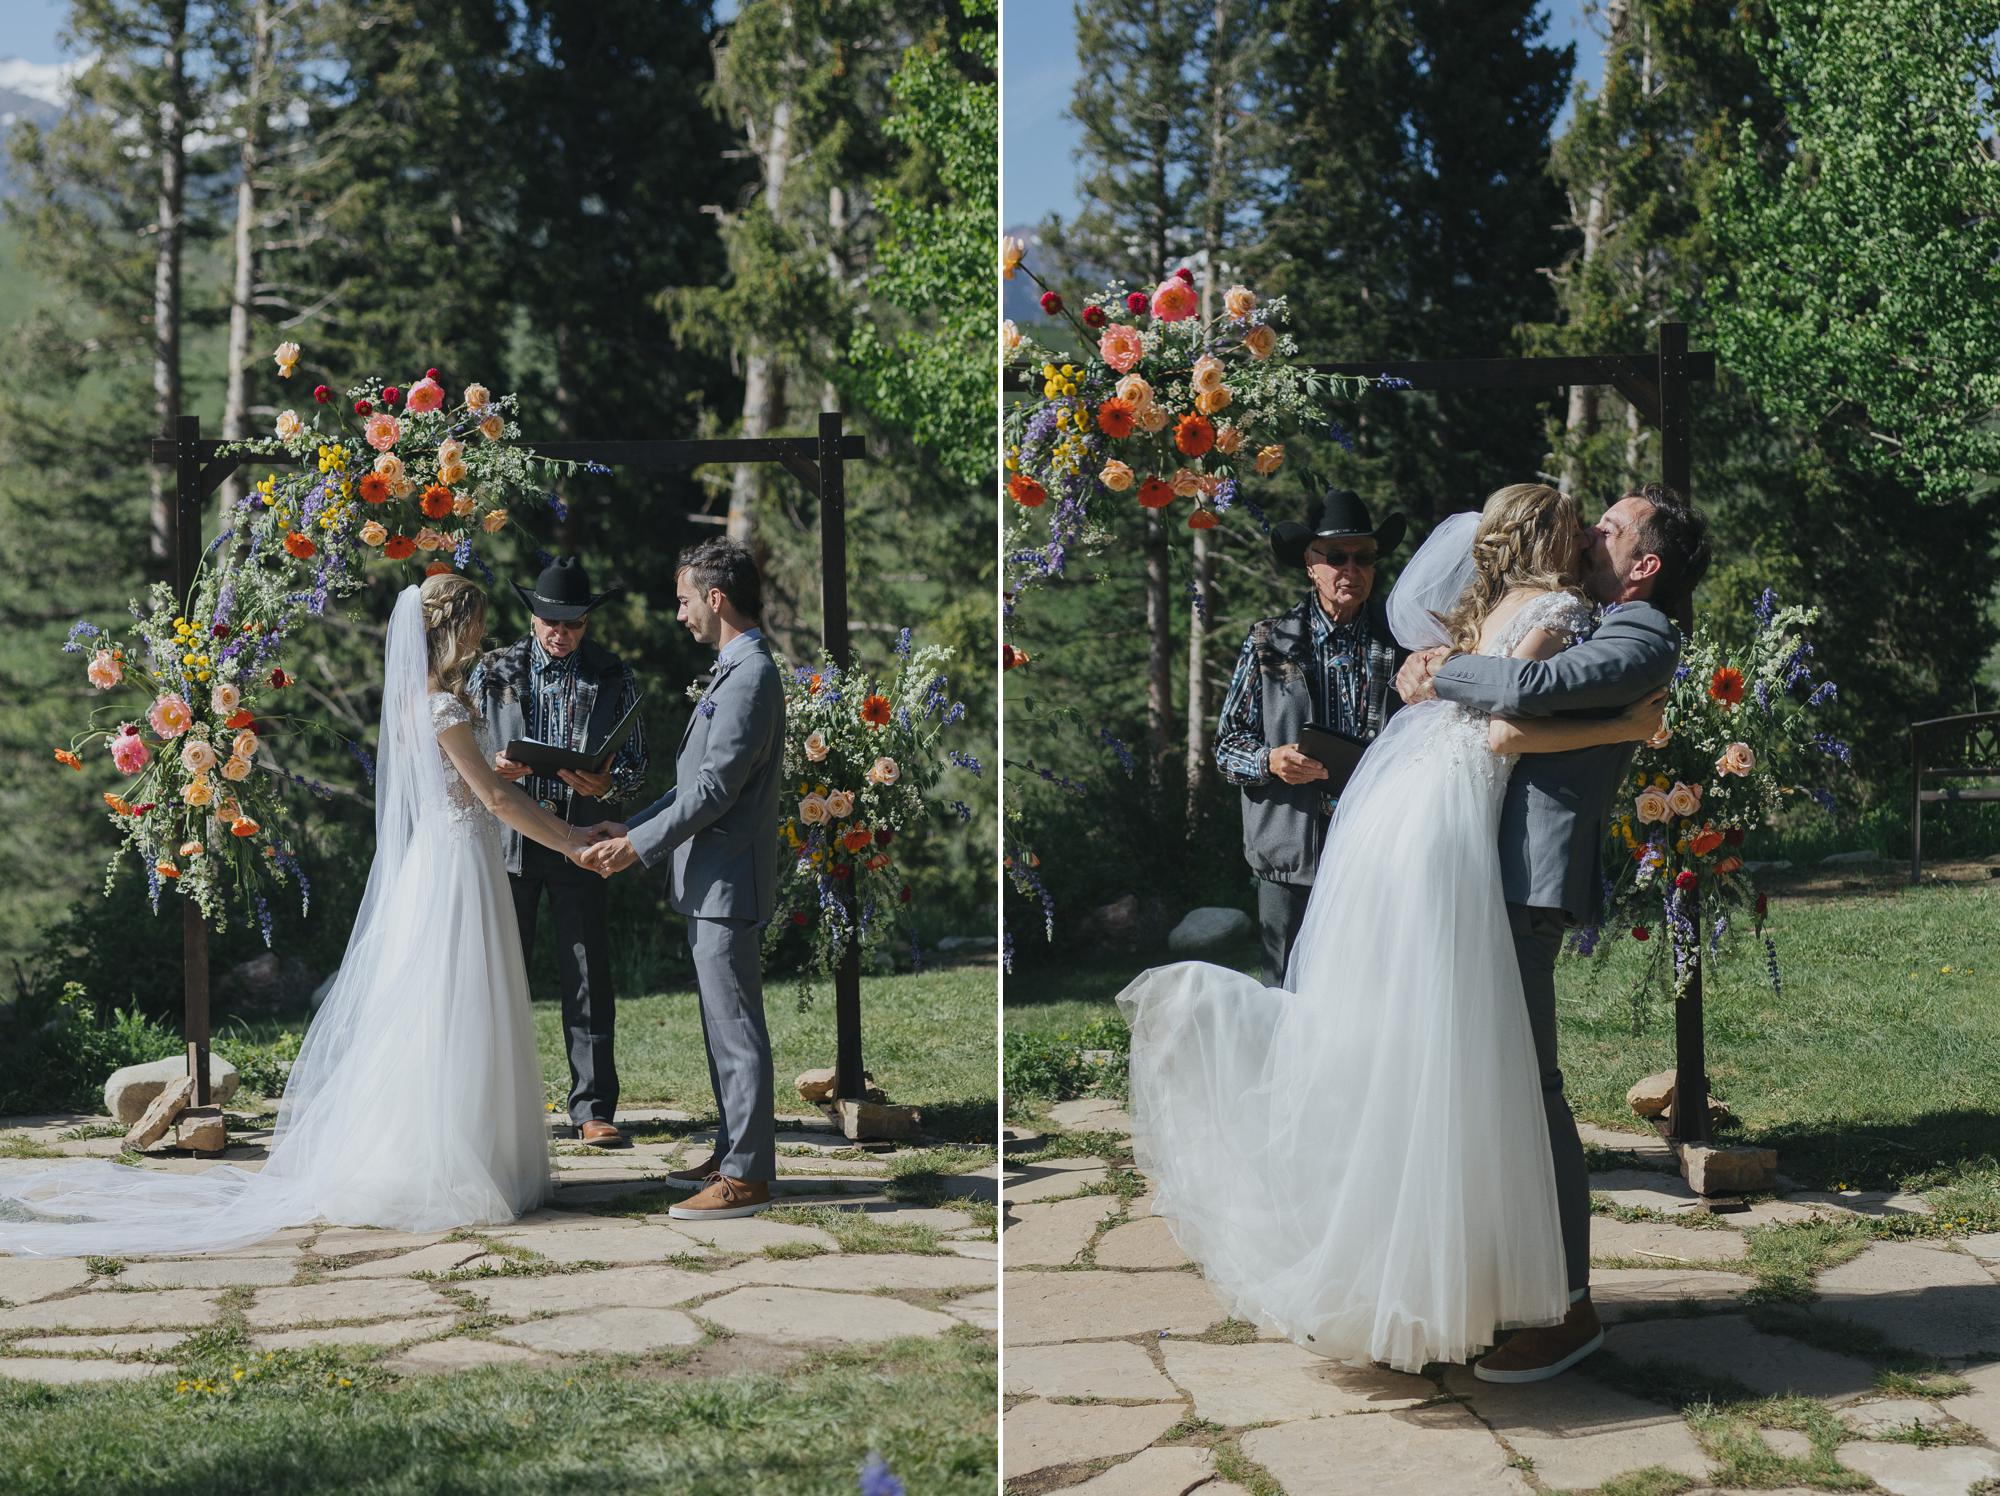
column 700, row 1174
column 723, row 1199
column 1535, row 1355
column 602, row 1135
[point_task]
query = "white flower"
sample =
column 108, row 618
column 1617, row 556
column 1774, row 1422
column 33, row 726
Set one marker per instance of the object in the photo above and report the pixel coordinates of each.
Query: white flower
column 289, row 425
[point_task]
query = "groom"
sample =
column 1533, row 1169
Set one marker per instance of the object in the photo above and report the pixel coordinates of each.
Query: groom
column 717, row 829
column 1640, row 563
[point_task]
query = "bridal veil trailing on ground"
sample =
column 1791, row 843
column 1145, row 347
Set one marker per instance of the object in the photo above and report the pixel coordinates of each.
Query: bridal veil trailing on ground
column 416, row 1099
column 1360, row 1159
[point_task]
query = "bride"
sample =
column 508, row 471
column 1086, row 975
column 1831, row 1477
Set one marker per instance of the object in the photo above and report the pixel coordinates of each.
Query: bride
column 416, row 1099
column 1360, row 1159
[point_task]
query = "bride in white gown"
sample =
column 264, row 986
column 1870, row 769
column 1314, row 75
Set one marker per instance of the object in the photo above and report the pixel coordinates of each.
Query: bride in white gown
column 416, row 1101
column 1359, row 1159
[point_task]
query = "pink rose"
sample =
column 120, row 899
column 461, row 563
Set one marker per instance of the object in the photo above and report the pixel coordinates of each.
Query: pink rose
column 812, row 810
column 104, row 670
column 129, row 751
column 224, row 699
column 1120, row 346
column 816, row 747
column 1152, row 420
column 197, row 757
column 1135, row 392
column 383, row 431
column 1174, row 300
column 236, row 770
column 476, row 397
column 840, row 805
column 1738, row 759
column 492, row 428
column 170, row 716
column 390, row 466
column 425, row 394
column 245, row 745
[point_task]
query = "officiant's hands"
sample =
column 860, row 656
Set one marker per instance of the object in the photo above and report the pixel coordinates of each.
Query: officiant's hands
column 1292, row 766
column 585, row 782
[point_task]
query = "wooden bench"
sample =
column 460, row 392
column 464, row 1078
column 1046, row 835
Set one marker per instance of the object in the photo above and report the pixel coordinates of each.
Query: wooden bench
column 1965, row 747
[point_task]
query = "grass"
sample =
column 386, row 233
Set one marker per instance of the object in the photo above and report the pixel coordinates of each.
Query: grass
column 321, row 1420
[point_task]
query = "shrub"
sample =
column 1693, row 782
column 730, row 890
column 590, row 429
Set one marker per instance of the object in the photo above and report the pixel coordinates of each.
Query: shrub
column 61, row 1051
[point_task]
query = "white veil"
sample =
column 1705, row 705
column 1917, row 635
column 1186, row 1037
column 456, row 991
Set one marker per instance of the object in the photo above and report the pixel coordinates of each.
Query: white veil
column 1433, row 582
column 99, row 1207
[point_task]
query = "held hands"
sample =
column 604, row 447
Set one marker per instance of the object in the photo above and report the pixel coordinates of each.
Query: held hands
column 602, row 848
column 508, row 770
column 1413, row 681
column 1294, row 767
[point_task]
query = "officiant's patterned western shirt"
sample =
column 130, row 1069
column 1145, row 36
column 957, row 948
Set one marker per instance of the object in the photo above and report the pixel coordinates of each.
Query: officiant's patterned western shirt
column 549, row 707
column 1349, row 685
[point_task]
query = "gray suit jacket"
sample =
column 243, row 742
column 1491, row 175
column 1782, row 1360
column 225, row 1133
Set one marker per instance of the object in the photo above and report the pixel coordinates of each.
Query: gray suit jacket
column 1553, row 825
column 719, row 823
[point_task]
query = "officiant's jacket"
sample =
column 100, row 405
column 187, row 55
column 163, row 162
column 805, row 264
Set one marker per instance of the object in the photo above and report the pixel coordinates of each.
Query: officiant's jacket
column 1553, row 825
column 503, row 683
column 718, row 826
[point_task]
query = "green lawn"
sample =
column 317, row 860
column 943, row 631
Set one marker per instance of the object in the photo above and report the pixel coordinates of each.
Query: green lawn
column 1873, row 1066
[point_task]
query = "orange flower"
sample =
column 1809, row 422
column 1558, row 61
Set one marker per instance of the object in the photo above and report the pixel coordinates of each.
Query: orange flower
column 1155, row 493
column 1010, row 657
column 437, row 568
column 812, row 684
column 875, row 711
column 243, row 826
column 1729, row 864
column 64, row 756
column 1203, row 519
column 1705, row 841
column 1114, row 418
column 299, row 546
column 1194, row 434
column 117, row 806
column 1026, row 492
column 857, row 839
column 1727, row 686
column 436, row 501
column 166, row 869
column 400, row 547
column 373, row 488
column 239, row 719
column 879, row 860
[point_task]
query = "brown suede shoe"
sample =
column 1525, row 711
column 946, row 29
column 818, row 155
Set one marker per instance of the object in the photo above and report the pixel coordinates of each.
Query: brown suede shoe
column 602, row 1135
column 1535, row 1355
column 723, row 1199
column 700, row 1174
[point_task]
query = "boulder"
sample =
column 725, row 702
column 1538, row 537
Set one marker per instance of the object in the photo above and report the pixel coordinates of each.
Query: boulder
column 266, row 983
column 201, row 1130
column 1652, row 1095
column 816, row 1086
column 1208, row 928
column 167, row 1103
column 1729, row 1171
column 1117, row 920
column 1850, row 859
column 872, row 1120
column 130, row 1091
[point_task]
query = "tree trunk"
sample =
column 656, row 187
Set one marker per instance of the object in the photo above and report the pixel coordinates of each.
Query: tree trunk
column 236, row 398
column 172, row 146
column 1196, row 762
column 763, row 376
column 1582, row 418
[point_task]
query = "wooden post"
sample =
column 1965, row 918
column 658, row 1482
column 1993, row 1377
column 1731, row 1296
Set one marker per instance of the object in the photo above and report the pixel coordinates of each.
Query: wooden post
column 848, row 1077
column 188, row 501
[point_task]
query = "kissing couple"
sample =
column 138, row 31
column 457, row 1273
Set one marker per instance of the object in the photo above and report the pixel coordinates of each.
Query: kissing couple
column 1375, row 1157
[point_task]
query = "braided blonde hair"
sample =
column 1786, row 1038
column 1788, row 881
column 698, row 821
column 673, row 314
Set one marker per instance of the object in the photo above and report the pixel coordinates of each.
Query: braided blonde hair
column 454, row 622
column 1527, row 538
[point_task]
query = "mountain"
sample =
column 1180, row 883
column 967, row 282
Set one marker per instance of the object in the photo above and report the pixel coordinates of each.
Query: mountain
column 34, row 92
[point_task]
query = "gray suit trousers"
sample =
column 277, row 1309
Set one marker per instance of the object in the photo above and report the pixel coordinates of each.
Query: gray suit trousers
column 729, row 970
column 1538, row 935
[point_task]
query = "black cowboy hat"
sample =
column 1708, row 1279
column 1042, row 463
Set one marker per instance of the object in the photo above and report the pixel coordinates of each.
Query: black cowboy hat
column 562, row 592
column 1338, row 514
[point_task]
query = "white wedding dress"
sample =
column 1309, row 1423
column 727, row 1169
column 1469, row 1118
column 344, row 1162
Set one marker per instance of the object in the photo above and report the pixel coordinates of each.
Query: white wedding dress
column 416, row 1101
column 1360, row 1160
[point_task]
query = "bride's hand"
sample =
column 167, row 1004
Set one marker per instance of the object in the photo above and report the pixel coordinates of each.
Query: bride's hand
column 1646, row 719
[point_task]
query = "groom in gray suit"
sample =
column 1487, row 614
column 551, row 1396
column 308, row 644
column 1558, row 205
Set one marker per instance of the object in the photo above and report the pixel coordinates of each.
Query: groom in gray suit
column 717, row 829
column 1641, row 562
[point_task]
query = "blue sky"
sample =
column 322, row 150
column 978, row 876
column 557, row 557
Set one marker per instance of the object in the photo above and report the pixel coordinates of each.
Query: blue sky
column 1038, row 71
column 28, row 29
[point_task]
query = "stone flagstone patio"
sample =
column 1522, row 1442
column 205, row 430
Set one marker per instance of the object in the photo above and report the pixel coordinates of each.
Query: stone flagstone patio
column 601, row 1272
column 1123, row 1376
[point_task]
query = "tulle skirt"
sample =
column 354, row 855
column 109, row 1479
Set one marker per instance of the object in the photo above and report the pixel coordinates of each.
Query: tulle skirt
column 1361, row 1163
column 416, row 1101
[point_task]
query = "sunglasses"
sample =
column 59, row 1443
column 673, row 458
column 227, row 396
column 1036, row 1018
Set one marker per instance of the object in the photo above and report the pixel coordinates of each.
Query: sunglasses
column 1342, row 558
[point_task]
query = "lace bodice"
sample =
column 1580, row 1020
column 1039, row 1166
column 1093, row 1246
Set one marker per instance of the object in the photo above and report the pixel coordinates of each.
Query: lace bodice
column 447, row 711
column 1559, row 612
column 1461, row 737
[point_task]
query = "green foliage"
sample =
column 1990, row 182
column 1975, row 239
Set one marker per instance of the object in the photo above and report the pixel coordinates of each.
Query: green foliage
column 261, row 1065
column 1055, row 1066
column 60, row 1051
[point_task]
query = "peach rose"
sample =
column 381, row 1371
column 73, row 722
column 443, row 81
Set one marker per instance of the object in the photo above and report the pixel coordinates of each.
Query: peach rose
column 402, row 488
column 1174, row 300
column 1135, row 392
column 1651, row 807
column 1684, row 799
column 1738, row 759
column 816, row 746
column 191, row 849
column 1211, row 401
column 104, row 670
column 431, row 540
column 1120, row 346
column 1261, row 341
column 197, row 757
column 390, row 466
column 170, row 717
column 492, row 428
column 287, row 355
column 840, row 805
column 884, row 771
column 1152, row 420
column 477, row 397
column 464, row 503
column 1011, row 250
column 1010, row 337
column 1228, row 441
column 1239, row 302
column 1115, row 476
column 382, row 432
column 1210, row 484
column 1186, row 483
column 1207, row 374
column 1269, row 460
column 425, row 395
column 451, row 450
column 227, row 809
column 199, row 792
column 289, row 425
column 244, row 745
column 236, row 770
column 224, row 699
column 373, row 534
column 812, row 810
column 495, row 520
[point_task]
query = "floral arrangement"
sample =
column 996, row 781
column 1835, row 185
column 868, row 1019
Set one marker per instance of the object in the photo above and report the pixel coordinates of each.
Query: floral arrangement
column 1741, row 730
column 200, row 800
column 861, row 756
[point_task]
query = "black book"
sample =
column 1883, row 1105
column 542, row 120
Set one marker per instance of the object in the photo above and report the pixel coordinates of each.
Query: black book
column 1340, row 752
column 547, row 758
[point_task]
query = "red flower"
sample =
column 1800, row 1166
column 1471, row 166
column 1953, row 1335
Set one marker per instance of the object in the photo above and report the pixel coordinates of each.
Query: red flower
column 239, row 719
column 437, row 568
column 299, row 546
column 1203, row 519
column 1763, row 905
column 399, row 548
column 1155, row 493
column 1734, row 836
column 1186, row 275
column 139, row 810
column 64, row 756
column 1093, row 316
column 1026, row 492
column 1727, row 686
column 280, row 679
column 362, row 407
column 431, row 374
column 436, row 501
column 842, row 870
column 321, row 394
column 1194, row 434
column 1051, row 303
column 1704, row 841
column 1136, row 302
column 855, row 840
column 1685, row 879
column 798, row 917
column 391, row 395
column 904, row 896
column 1640, row 932
column 1010, row 657
column 373, row 488
column 1114, row 418
column 875, row 711
column 220, row 631
column 882, row 836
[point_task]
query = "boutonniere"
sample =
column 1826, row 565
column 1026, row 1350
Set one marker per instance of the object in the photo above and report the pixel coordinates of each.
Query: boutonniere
column 698, row 693
column 697, row 688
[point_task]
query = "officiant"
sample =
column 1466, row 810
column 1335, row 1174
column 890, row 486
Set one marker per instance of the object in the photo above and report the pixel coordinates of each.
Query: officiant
column 1329, row 660
column 561, row 687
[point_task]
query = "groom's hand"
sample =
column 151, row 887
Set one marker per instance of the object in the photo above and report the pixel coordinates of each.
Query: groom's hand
column 608, row 857
column 1413, row 681
column 604, row 831
column 1294, row 767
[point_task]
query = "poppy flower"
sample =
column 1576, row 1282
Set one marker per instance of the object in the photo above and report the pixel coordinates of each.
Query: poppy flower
column 1685, row 879
column 166, row 870
column 1640, row 932
column 1093, row 316
column 875, row 711
column 373, row 488
column 391, row 395
column 1726, row 686
column 1026, row 492
column 1010, row 657
column 1155, row 493
column 436, row 501
column 1186, row 275
column 299, row 546
column 362, row 407
column 1203, row 519
column 1115, row 418
column 321, row 394
column 1194, row 434
column 399, row 547
column 1051, row 303
column 1705, row 842
column 64, row 756
column 858, row 838
column 280, row 680
column 243, row 826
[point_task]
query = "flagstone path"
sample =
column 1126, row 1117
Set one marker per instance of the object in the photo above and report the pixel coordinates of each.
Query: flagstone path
column 601, row 1272
column 1123, row 1375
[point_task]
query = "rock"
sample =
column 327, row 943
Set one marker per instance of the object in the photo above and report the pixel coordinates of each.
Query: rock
column 1052, row 1179
column 626, row 1242
column 1208, row 929
column 109, row 1309
column 1584, row 1438
column 1652, row 1095
column 1729, row 1171
column 606, row 1332
column 808, row 1315
column 1141, row 1244
column 1171, row 1470
column 1778, row 865
column 131, row 1343
column 267, row 983
column 1418, row 1452
column 1043, row 1307
column 1935, row 1302
column 1620, row 1293
column 460, row 1355
column 201, row 1129
column 1054, row 1233
column 1269, row 1383
column 1041, row 1435
column 131, row 1090
column 1986, row 1247
column 872, row 1120
column 160, row 1112
column 25, row 1279
column 1100, row 1370
column 445, row 1257
column 1909, row 1471
column 210, row 1272
column 1091, row 1114
column 1787, row 1443
column 1638, row 1189
column 56, row 1370
column 1725, row 1344
column 333, row 1303
column 816, row 1086
column 980, row 1310
column 1669, row 1246
column 1120, row 924
column 389, row 1332
column 1849, row 859
column 1979, row 1407
column 1895, row 1413
column 862, row 1272
column 967, row 944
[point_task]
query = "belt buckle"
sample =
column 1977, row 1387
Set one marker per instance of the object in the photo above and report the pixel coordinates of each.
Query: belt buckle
column 548, row 805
